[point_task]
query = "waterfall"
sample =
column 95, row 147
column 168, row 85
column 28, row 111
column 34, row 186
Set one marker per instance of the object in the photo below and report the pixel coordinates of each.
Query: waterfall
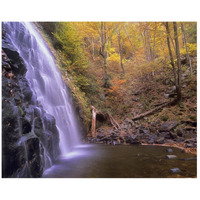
column 46, row 81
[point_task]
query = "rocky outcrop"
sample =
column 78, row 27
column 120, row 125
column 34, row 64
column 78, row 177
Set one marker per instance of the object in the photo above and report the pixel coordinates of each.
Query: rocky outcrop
column 134, row 132
column 30, row 140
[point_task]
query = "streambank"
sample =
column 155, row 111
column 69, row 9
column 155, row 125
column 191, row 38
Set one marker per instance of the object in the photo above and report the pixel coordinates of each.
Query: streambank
column 170, row 133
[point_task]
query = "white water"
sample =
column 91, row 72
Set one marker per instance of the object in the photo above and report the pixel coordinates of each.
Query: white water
column 46, row 81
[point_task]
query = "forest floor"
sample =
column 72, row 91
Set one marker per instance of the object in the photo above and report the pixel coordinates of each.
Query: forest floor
column 174, row 126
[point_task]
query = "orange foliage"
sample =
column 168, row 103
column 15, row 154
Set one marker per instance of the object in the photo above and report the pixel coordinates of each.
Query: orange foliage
column 115, row 88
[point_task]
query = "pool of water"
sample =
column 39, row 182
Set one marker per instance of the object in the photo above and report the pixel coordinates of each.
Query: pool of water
column 120, row 161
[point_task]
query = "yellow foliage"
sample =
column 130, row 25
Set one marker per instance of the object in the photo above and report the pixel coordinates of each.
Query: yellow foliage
column 192, row 48
column 114, row 57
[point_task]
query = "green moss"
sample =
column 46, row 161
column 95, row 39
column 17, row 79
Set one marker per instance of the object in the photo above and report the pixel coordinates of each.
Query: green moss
column 21, row 111
column 193, row 117
column 144, row 101
column 164, row 117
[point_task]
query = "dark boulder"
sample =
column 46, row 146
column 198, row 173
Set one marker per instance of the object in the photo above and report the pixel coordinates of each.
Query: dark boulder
column 168, row 126
column 169, row 141
column 175, row 170
column 100, row 135
column 132, row 140
column 180, row 139
column 180, row 131
column 152, row 139
column 166, row 135
column 173, row 135
column 160, row 140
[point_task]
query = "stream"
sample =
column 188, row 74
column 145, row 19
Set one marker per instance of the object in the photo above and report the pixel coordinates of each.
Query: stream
column 121, row 161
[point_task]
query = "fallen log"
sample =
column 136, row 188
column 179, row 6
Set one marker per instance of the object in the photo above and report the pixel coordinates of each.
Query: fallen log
column 159, row 104
column 154, row 110
column 113, row 121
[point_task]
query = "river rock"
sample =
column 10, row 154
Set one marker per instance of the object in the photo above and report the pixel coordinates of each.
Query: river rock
column 189, row 159
column 180, row 139
column 132, row 140
column 171, row 157
column 169, row 141
column 145, row 131
column 190, row 145
column 166, row 135
column 173, row 135
column 175, row 170
column 160, row 140
column 168, row 126
column 100, row 135
column 169, row 150
column 180, row 131
column 152, row 139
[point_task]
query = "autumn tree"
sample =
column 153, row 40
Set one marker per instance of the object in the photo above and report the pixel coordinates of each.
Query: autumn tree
column 177, row 73
column 170, row 52
column 178, row 89
column 186, row 48
column 103, row 53
column 132, row 46
column 120, row 48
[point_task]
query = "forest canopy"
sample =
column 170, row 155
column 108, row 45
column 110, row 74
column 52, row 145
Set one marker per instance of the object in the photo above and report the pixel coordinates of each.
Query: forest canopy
column 106, row 60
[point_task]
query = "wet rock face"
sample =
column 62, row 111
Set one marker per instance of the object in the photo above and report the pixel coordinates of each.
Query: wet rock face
column 29, row 135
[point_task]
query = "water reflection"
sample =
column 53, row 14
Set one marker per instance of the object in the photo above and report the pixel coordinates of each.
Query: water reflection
column 104, row 161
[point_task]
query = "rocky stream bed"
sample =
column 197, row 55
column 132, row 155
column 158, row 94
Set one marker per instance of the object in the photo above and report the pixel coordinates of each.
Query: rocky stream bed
column 169, row 133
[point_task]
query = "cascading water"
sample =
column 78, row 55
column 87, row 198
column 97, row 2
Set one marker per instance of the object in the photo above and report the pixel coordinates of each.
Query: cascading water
column 46, row 81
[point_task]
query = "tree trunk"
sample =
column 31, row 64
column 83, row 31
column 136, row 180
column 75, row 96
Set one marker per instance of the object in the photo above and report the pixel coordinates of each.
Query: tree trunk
column 145, row 46
column 132, row 46
column 172, row 41
column 93, row 128
column 120, row 50
column 113, row 122
column 93, row 49
column 154, row 41
column 150, row 51
column 179, row 95
column 186, row 48
column 103, row 53
column 170, row 53
column 106, row 38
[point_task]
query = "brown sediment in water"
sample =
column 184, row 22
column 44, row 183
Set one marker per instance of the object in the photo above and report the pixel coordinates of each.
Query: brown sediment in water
column 176, row 145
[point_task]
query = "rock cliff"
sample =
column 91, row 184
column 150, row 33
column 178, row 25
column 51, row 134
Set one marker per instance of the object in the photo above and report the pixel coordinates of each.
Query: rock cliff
column 30, row 139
